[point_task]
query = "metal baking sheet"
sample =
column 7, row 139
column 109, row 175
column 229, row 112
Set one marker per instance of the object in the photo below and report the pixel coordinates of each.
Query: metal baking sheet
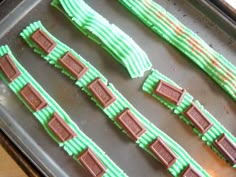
column 26, row 131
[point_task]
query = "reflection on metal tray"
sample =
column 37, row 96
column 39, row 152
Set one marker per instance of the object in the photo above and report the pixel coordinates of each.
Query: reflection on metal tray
column 12, row 11
column 30, row 136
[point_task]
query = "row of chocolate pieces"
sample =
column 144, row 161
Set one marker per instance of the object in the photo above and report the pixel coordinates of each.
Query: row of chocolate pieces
column 36, row 102
column 127, row 120
column 175, row 95
column 185, row 40
column 107, row 35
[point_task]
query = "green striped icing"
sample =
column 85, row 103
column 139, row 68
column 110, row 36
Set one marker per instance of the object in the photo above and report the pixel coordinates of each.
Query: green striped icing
column 181, row 37
column 109, row 36
column 212, row 134
column 152, row 132
column 76, row 145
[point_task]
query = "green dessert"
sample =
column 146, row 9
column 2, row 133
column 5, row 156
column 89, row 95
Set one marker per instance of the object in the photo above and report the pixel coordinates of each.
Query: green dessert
column 113, row 104
column 174, row 32
column 107, row 35
column 191, row 112
column 54, row 119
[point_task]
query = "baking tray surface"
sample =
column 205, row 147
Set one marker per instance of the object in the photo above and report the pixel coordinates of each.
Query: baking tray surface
column 134, row 161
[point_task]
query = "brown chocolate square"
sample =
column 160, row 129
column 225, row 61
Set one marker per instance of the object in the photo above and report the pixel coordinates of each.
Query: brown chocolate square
column 9, row 68
column 43, row 41
column 33, row 98
column 89, row 160
column 102, row 92
column 73, row 65
column 131, row 124
column 60, row 128
column 170, row 92
column 163, row 153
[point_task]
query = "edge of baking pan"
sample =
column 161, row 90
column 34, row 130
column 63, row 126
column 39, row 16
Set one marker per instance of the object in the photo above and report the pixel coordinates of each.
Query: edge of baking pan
column 28, row 146
column 16, row 15
column 226, row 8
column 217, row 14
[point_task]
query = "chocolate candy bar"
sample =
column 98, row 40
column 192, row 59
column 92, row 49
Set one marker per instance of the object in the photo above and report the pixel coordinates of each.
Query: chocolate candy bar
column 33, row 98
column 71, row 63
column 60, row 128
column 227, row 148
column 102, row 92
column 199, row 120
column 131, row 124
column 163, row 152
column 170, row 92
column 43, row 41
column 9, row 68
column 89, row 160
column 190, row 172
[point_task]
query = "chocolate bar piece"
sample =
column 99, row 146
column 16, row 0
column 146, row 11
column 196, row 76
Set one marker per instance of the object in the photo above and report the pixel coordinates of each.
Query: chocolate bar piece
column 33, row 98
column 170, row 92
column 199, row 120
column 71, row 63
column 89, row 160
column 9, row 68
column 190, row 172
column 43, row 41
column 227, row 148
column 102, row 92
column 60, row 128
column 163, row 152
column 131, row 124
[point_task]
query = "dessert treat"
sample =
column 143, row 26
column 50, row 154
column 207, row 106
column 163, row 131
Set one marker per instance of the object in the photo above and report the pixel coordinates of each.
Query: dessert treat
column 163, row 153
column 33, row 98
column 107, row 35
column 131, row 124
column 193, row 113
column 43, row 41
column 227, row 148
column 102, row 92
column 60, row 128
column 89, row 160
column 76, row 68
column 119, row 110
column 200, row 121
column 55, row 121
column 9, row 68
column 190, row 172
column 170, row 92
column 189, row 43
